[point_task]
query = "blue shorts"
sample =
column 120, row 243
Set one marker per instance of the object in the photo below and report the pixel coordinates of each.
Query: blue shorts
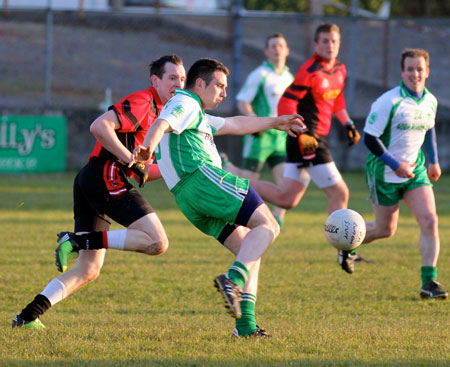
column 251, row 202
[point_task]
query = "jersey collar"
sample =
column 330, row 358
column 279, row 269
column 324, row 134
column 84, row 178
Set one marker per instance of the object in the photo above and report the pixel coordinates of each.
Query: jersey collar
column 156, row 97
column 323, row 63
column 190, row 94
column 407, row 93
column 267, row 64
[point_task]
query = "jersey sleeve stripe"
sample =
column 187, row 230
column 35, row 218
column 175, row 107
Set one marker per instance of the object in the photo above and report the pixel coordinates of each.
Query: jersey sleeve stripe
column 298, row 87
column 129, row 114
column 290, row 96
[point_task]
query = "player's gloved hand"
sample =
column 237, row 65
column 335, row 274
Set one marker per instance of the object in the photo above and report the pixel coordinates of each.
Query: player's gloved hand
column 308, row 144
column 141, row 171
column 352, row 134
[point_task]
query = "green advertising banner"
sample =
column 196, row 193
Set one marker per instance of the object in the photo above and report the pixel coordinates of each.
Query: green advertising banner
column 32, row 144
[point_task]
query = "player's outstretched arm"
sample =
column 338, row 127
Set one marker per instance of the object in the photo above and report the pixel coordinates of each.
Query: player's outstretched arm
column 292, row 124
column 243, row 125
column 144, row 152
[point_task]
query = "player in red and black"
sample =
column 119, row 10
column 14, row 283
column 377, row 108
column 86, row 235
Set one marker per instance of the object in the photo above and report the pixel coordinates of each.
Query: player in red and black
column 103, row 193
column 316, row 94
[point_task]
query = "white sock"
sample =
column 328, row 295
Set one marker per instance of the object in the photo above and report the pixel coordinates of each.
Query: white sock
column 55, row 291
column 116, row 239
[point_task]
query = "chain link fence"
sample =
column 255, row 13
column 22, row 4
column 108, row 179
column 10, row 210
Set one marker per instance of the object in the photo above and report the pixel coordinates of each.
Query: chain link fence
column 55, row 60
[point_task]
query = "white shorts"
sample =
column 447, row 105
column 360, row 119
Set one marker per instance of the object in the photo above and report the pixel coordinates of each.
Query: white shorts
column 323, row 175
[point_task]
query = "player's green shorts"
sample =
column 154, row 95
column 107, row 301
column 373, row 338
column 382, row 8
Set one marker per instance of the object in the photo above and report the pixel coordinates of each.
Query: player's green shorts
column 269, row 147
column 388, row 193
column 210, row 198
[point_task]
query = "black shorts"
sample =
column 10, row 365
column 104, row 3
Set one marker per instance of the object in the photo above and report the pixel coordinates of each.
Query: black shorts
column 323, row 154
column 101, row 192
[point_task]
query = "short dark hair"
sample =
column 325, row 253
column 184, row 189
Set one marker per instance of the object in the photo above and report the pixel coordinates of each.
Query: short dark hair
column 326, row 28
column 275, row 35
column 414, row 52
column 157, row 67
column 204, row 69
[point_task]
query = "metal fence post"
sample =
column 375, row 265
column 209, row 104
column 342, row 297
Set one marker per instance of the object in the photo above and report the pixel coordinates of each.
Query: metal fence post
column 386, row 38
column 237, row 50
column 48, row 54
column 353, row 58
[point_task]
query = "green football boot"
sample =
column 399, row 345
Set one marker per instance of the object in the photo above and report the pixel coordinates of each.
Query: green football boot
column 67, row 247
column 35, row 324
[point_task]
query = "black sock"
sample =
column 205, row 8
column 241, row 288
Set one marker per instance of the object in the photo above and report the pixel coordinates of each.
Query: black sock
column 90, row 241
column 36, row 308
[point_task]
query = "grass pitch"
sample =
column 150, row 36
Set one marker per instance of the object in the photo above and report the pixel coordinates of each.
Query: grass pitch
column 164, row 310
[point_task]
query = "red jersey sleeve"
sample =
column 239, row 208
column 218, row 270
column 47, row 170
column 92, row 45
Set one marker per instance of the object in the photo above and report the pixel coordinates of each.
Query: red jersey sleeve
column 295, row 92
column 132, row 110
column 339, row 103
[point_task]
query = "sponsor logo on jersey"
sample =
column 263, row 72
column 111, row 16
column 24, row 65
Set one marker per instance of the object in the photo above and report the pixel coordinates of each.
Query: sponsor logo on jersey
column 325, row 83
column 416, row 120
column 373, row 117
column 209, row 138
column 412, row 126
column 331, row 94
column 177, row 111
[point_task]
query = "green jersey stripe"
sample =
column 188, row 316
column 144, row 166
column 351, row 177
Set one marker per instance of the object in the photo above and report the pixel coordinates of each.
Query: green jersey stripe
column 220, row 183
column 225, row 183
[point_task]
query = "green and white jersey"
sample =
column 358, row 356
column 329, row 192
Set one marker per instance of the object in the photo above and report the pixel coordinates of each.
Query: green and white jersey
column 401, row 122
column 190, row 145
column 263, row 89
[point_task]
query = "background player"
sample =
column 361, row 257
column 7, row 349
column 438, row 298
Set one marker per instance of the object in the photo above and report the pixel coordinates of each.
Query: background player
column 400, row 121
column 259, row 96
column 317, row 94
column 102, row 192
column 217, row 202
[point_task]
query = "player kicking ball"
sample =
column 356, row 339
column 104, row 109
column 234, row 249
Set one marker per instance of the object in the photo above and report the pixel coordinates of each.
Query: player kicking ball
column 215, row 201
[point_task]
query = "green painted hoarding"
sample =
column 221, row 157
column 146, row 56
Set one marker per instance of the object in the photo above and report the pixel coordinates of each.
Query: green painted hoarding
column 33, row 144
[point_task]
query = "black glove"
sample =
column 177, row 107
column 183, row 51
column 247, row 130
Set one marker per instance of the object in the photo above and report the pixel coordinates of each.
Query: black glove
column 141, row 171
column 352, row 134
column 308, row 144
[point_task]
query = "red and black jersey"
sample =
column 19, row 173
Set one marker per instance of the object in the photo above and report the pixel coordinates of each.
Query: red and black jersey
column 136, row 113
column 316, row 93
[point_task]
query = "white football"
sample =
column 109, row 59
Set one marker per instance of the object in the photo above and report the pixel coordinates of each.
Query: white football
column 345, row 229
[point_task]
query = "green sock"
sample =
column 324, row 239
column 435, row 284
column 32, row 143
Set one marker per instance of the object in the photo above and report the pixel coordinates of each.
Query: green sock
column 428, row 274
column 246, row 325
column 279, row 220
column 225, row 160
column 238, row 273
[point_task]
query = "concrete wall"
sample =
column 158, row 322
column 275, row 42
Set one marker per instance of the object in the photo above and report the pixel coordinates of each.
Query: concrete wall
column 80, row 142
column 82, row 69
